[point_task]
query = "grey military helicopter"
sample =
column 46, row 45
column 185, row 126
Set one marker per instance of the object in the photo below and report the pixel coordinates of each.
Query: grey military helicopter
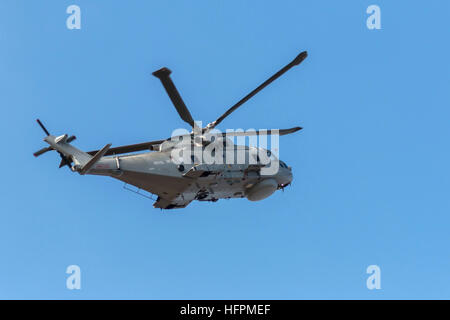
column 171, row 169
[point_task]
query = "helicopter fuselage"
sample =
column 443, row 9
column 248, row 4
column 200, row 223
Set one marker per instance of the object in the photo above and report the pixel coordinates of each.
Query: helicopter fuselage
column 177, row 184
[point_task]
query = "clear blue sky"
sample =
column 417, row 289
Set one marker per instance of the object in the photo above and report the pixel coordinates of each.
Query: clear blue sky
column 371, row 168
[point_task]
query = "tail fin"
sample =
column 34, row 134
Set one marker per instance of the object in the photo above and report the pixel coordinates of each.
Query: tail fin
column 67, row 151
column 82, row 161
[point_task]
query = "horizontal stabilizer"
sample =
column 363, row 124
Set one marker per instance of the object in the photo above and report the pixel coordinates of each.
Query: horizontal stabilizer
column 95, row 159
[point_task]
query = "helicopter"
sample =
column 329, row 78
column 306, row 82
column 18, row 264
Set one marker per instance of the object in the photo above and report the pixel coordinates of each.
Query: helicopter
column 175, row 170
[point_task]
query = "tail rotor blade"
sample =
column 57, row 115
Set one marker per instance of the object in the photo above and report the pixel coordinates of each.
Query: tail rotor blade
column 70, row 139
column 64, row 161
column 42, row 126
column 164, row 75
column 42, row 151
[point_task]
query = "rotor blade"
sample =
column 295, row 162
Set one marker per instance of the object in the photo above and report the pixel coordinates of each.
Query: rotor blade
column 280, row 132
column 70, row 139
column 42, row 151
column 293, row 63
column 129, row 148
column 164, row 75
column 268, row 132
column 42, row 126
column 65, row 161
column 62, row 163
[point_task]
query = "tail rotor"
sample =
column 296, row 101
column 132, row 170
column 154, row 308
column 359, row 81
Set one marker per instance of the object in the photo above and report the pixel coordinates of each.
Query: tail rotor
column 65, row 161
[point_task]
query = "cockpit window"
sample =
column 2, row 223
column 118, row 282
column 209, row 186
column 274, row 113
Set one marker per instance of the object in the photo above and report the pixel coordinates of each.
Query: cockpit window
column 282, row 164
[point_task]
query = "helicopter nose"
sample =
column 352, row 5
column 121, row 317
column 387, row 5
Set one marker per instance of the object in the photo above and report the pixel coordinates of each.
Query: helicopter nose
column 286, row 180
column 287, row 177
